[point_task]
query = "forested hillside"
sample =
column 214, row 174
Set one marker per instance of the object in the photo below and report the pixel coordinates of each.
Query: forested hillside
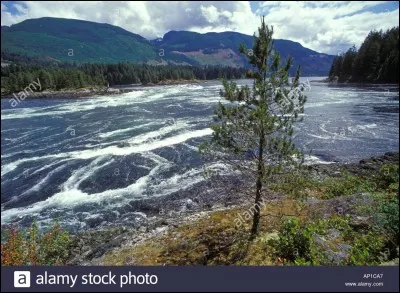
column 65, row 75
column 377, row 60
column 75, row 41
column 71, row 40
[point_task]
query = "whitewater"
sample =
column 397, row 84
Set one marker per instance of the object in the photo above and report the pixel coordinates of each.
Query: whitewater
column 87, row 161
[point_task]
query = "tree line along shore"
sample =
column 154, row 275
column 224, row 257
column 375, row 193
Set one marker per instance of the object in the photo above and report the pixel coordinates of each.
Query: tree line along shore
column 98, row 77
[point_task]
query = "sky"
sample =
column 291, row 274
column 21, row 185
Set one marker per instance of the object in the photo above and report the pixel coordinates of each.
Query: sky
column 324, row 26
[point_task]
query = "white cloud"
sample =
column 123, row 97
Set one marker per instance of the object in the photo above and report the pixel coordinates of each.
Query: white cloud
column 326, row 26
column 322, row 26
column 148, row 18
column 210, row 13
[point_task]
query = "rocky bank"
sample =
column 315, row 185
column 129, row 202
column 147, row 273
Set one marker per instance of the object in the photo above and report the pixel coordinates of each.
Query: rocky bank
column 155, row 217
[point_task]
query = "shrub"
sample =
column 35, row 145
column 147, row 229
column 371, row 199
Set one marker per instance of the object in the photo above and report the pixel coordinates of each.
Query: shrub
column 13, row 250
column 346, row 185
column 301, row 186
column 366, row 249
column 294, row 241
column 296, row 185
column 387, row 215
column 386, row 220
column 29, row 247
column 388, row 176
column 297, row 244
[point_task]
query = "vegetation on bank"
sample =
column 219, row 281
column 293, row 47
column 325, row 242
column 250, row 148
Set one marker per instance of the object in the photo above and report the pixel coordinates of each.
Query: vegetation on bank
column 377, row 60
column 292, row 231
column 343, row 220
column 32, row 247
column 17, row 77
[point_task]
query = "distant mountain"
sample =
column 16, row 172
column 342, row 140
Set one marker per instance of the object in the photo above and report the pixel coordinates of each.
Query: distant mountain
column 83, row 41
column 75, row 40
column 222, row 48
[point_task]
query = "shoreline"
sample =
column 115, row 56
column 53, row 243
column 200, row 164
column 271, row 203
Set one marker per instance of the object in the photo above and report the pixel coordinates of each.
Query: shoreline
column 327, row 80
column 92, row 244
column 204, row 211
column 121, row 89
column 68, row 94
column 93, row 91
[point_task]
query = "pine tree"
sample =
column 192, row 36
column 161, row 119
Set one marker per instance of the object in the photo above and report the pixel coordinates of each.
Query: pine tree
column 376, row 60
column 347, row 64
column 253, row 130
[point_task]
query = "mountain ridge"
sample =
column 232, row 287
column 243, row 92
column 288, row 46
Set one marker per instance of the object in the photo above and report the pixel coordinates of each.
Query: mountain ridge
column 83, row 41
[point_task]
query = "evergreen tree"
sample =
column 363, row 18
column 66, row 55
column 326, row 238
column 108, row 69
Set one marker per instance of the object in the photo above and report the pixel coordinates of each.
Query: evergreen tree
column 65, row 75
column 253, row 131
column 377, row 60
column 346, row 66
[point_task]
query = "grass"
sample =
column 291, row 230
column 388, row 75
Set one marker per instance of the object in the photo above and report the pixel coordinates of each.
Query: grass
column 301, row 185
column 215, row 239
column 288, row 230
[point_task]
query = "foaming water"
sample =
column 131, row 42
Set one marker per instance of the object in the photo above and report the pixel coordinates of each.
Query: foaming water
column 87, row 161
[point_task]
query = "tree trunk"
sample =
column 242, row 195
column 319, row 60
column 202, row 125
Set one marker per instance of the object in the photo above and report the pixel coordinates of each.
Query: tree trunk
column 260, row 175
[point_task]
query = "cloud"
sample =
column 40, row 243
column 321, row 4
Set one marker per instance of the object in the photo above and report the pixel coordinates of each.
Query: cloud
column 148, row 18
column 327, row 26
column 322, row 26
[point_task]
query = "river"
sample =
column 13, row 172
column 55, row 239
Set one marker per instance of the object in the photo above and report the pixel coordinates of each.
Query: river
column 76, row 160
